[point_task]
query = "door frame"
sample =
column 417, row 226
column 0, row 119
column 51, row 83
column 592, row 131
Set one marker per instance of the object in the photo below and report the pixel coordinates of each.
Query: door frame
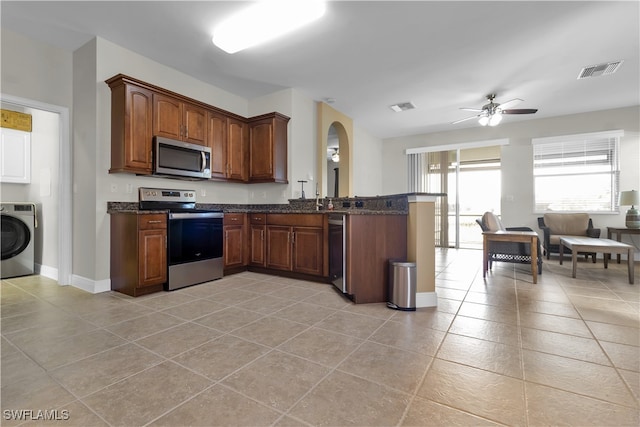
column 65, row 212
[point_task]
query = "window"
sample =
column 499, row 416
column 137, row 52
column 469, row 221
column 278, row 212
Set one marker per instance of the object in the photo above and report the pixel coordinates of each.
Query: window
column 577, row 172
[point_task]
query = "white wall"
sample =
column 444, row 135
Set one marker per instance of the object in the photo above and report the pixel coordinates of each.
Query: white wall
column 35, row 70
column 517, row 158
column 367, row 164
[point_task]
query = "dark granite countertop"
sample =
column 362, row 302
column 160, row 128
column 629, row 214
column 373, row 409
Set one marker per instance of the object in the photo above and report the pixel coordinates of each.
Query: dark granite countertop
column 396, row 204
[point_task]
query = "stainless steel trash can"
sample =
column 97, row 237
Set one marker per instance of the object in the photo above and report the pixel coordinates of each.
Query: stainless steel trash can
column 402, row 285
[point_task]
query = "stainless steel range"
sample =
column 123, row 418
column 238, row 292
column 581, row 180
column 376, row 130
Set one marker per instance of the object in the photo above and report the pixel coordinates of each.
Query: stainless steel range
column 195, row 245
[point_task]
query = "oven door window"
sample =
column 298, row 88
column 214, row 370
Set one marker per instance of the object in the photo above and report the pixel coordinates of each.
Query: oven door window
column 194, row 239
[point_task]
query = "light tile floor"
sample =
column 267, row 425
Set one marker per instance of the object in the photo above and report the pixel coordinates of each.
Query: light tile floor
column 252, row 349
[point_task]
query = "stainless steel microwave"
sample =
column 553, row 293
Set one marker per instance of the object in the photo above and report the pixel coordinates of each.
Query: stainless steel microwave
column 181, row 159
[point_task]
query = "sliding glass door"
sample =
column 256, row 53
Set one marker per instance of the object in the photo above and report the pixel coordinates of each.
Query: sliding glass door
column 471, row 179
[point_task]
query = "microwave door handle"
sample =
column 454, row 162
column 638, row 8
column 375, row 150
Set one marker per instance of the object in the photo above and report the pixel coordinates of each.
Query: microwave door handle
column 203, row 163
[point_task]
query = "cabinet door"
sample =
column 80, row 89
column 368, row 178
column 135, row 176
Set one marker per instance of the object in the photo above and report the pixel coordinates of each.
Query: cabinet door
column 194, row 123
column 167, row 117
column 261, row 150
column 152, row 257
column 257, row 245
column 217, row 135
column 138, row 131
column 237, row 150
column 233, row 245
column 15, row 156
column 279, row 247
column 307, row 250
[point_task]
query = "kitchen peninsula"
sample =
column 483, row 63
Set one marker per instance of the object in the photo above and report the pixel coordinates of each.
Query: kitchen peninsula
column 293, row 239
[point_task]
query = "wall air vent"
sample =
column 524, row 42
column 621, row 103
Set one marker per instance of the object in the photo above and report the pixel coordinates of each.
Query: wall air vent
column 599, row 69
column 402, row 106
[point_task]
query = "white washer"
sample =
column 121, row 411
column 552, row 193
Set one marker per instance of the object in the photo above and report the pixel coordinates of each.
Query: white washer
column 18, row 225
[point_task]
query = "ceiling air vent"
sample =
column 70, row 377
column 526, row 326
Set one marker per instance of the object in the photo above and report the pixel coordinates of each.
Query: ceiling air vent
column 599, row 69
column 402, row 106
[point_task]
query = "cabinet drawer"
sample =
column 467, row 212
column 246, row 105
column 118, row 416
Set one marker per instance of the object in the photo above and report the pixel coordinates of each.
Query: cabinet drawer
column 304, row 220
column 233, row 218
column 152, row 221
column 258, row 218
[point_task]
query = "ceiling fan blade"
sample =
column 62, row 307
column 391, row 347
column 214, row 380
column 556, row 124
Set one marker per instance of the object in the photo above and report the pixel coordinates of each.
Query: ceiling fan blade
column 465, row 119
column 510, row 103
column 478, row 110
column 520, row 111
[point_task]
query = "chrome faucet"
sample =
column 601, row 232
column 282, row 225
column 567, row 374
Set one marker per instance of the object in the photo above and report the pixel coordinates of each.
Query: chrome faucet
column 318, row 203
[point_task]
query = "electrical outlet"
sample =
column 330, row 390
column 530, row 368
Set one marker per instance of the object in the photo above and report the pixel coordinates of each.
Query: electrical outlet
column 129, row 188
column 264, row 194
column 203, row 192
column 114, row 188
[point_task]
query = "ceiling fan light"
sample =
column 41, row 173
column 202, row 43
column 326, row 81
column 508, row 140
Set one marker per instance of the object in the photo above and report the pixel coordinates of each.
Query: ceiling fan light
column 484, row 120
column 335, row 157
column 495, row 119
column 265, row 21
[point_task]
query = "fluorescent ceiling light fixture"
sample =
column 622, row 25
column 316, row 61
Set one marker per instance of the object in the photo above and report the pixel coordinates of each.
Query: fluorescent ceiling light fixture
column 265, row 21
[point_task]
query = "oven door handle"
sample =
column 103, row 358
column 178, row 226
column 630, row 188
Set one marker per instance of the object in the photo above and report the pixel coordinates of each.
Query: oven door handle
column 194, row 215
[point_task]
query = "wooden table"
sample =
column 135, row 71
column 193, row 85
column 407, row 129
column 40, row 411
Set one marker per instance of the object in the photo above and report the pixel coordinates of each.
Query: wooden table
column 530, row 237
column 619, row 231
column 589, row 244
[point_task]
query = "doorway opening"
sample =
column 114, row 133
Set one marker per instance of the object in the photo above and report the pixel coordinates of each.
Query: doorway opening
column 62, row 272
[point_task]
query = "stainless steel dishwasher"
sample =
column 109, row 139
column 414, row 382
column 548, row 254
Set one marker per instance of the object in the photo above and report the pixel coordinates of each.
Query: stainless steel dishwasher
column 338, row 251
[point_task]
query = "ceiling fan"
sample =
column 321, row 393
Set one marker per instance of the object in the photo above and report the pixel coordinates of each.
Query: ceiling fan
column 491, row 113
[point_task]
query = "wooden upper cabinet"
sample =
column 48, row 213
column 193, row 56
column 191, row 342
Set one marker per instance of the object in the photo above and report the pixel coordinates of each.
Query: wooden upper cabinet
column 131, row 127
column 175, row 119
column 217, row 127
column 237, row 150
column 268, row 148
column 194, row 120
column 244, row 150
column 228, row 142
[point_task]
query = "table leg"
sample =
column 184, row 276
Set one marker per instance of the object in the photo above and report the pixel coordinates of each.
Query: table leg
column 630, row 259
column 485, row 256
column 606, row 259
column 534, row 259
column 619, row 239
column 561, row 252
column 608, row 237
column 574, row 260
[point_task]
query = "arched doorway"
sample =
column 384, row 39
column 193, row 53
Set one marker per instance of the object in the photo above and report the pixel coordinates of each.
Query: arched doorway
column 335, row 132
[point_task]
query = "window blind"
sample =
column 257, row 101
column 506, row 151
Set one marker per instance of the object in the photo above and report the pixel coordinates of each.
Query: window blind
column 577, row 172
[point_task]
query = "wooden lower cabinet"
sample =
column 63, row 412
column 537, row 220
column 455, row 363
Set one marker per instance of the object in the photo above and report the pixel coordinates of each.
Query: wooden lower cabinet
column 296, row 242
column 279, row 247
column 234, row 240
column 257, row 246
column 138, row 253
column 307, row 250
column 373, row 240
column 257, row 240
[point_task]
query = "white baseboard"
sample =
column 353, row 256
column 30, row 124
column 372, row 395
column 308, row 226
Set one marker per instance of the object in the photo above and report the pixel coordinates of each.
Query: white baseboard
column 426, row 299
column 92, row 286
column 46, row 271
